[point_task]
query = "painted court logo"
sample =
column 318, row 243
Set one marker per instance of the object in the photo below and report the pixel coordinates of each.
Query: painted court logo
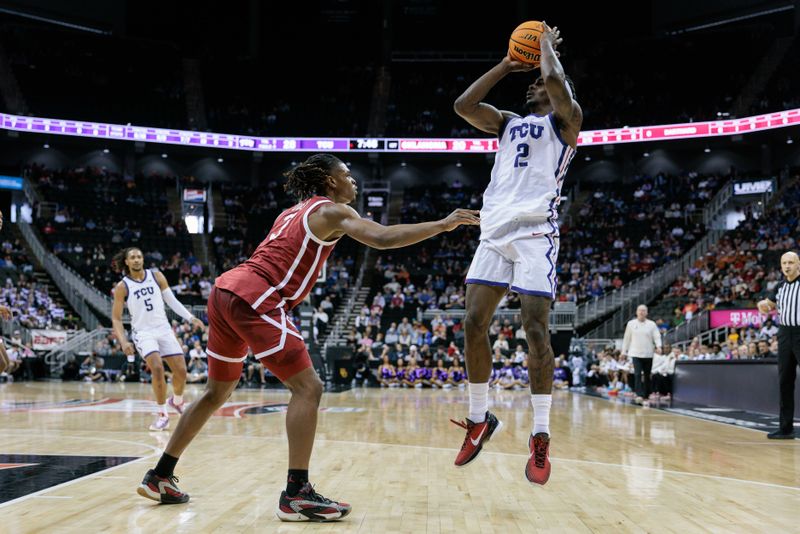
column 130, row 406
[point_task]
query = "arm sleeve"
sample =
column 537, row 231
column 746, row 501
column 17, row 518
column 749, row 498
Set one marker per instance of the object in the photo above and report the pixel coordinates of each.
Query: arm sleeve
column 626, row 341
column 656, row 336
column 175, row 304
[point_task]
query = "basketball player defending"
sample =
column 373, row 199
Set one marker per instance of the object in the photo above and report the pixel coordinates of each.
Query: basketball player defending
column 248, row 308
column 519, row 238
column 145, row 291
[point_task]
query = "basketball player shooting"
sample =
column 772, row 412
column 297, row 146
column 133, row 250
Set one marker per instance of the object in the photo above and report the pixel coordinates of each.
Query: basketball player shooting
column 248, row 308
column 145, row 291
column 519, row 239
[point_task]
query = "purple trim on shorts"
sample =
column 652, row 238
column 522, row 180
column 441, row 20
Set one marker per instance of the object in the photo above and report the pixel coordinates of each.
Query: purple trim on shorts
column 532, row 292
column 149, row 353
column 170, row 355
column 485, row 282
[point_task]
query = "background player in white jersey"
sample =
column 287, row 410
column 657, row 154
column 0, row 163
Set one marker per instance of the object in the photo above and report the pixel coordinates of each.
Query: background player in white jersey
column 519, row 237
column 145, row 291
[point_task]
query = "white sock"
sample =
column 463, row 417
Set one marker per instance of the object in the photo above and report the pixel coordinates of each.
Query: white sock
column 541, row 413
column 478, row 401
column 177, row 399
column 162, row 409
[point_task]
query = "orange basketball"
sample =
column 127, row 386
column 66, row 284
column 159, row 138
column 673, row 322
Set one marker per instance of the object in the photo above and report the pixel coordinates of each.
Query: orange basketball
column 524, row 42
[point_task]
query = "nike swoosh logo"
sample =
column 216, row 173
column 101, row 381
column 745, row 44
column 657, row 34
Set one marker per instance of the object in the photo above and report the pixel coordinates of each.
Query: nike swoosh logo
column 476, row 441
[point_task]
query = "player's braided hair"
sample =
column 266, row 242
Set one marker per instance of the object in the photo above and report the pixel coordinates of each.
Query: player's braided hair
column 118, row 261
column 310, row 177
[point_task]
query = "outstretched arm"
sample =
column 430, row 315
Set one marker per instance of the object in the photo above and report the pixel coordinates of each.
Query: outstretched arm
column 567, row 112
column 172, row 301
column 481, row 115
column 333, row 220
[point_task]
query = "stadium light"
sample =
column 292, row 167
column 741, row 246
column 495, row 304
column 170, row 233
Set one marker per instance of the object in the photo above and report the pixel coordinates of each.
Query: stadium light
column 46, row 145
column 220, row 160
column 646, row 154
column 789, row 141
column 587, row 158
column 163, row 155
column 105, row 151
column 706, row 150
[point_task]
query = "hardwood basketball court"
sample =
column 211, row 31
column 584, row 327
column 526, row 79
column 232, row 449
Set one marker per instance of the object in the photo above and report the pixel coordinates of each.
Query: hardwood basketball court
column 389, row 452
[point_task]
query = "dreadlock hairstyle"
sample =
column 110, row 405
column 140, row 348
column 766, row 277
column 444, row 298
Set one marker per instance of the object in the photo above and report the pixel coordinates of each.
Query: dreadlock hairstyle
column 118, row 261
column 310, row 177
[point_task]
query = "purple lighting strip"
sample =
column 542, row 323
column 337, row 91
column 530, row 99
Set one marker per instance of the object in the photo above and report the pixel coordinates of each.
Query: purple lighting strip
column 769, row 121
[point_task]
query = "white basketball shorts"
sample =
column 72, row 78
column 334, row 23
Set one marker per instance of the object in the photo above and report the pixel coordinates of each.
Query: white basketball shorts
column 524, row 262
column 162, row 341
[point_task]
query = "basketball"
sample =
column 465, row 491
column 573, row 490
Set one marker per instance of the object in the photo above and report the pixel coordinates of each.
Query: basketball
column 524, row 42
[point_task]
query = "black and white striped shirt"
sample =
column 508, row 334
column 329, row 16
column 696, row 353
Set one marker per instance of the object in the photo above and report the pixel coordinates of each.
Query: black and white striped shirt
column 787, row 297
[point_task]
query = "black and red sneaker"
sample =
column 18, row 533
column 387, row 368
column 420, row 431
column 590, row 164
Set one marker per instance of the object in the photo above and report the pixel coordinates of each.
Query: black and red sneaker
column 162, row 489
column 477, row 435
column 537, row 469
column 308, row 505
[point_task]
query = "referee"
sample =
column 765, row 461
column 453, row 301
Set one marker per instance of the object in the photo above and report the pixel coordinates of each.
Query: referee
column 786, row 299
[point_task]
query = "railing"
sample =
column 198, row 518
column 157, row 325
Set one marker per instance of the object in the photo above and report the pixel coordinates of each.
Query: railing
column 712, row 210
column 343, row 318
column 560, row 318
column 653, row 286
column 709, row 337
column 597, row 307
column 79, row 293
column 593, row 345
column 82, row 341
column 691, row 328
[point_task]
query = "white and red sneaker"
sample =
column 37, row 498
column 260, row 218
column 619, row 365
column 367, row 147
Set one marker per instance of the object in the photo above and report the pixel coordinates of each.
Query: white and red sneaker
column 537, row 470
column 161, row 423
column 161, row 489
column 177, row 407
column 477, row 435
column 308, row 505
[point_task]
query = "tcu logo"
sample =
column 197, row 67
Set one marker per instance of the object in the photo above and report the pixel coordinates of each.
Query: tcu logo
column 145, row 291
column 524, row 129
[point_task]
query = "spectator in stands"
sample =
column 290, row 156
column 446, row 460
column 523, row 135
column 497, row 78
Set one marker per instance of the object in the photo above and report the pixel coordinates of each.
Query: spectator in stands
column 520, row 355
column 562, row 374
column 197, row 371
column 764, row 350
column 197, row 352
column 768, row 330
column 92, row 368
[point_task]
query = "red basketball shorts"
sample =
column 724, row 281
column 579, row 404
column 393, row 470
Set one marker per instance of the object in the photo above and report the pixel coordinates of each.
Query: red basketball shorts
column 233, row 326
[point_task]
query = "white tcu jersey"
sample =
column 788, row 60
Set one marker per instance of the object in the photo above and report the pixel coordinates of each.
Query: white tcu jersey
column 528, row 172
column 145, row 303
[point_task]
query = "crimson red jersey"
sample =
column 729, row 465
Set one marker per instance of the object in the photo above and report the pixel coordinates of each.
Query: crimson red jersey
column 285, row 266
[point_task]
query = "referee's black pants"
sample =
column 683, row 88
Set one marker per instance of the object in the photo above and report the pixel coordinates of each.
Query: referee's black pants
column 788, row 360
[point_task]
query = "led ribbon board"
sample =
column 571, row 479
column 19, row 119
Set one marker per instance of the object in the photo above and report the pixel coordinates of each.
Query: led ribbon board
column 145, row 134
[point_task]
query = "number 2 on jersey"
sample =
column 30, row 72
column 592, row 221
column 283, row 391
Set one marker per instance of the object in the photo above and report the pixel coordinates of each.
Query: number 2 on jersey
column 523, row 151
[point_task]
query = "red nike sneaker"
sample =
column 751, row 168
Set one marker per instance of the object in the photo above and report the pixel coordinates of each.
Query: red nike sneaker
column 163, row 490
column 308, row 505
column 538, row 468
column 477, row 435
